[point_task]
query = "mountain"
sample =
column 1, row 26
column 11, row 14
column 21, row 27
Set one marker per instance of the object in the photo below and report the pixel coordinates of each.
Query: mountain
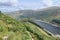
column 46, row 14
column 11, row 29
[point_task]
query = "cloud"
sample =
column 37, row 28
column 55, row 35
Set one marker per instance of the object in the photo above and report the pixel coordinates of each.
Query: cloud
column 52, row 2
column 56, row 2
column 9, row 5
column 47, row 2
column 9, row 2
column 5, row 4
column 27, row 4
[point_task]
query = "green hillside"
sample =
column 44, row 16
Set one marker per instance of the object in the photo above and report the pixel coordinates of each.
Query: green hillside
column 10, row 29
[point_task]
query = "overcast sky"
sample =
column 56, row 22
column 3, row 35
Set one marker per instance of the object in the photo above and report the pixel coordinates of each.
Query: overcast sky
column 13, row 5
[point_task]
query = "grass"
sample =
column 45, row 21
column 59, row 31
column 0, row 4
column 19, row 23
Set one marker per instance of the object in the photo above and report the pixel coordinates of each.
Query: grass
column 36, row 31
column 15, row 30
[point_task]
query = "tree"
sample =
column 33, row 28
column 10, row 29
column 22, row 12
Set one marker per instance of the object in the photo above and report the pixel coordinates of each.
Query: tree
column 0, row 11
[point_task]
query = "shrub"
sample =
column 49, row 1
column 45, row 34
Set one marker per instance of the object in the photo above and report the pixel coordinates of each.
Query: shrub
column 1, row 29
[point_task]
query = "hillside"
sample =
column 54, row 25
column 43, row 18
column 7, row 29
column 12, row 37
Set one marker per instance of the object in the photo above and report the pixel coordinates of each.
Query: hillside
column 10, row 29
column 46, row 14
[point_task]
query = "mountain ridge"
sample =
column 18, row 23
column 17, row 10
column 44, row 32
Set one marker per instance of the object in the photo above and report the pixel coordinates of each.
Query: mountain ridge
column 37, row 14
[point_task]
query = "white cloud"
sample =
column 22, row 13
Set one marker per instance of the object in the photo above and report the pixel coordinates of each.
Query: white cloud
column 12, row 2
column 48, row 2
column 23, row 4
column 52, row 2
column 3, row 0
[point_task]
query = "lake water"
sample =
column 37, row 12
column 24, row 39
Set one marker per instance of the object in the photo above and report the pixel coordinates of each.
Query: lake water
column 51, row 28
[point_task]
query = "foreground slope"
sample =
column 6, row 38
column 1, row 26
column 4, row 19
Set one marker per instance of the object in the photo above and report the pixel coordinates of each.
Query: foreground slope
column 10, row 29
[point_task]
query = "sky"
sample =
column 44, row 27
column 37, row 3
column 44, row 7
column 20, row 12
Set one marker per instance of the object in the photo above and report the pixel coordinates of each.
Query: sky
column 13, row 5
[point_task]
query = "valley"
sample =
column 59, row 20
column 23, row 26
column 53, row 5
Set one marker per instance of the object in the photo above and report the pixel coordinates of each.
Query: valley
column 30, row 24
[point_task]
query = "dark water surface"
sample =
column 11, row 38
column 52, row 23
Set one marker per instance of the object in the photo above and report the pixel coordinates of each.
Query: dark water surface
column 51, row 28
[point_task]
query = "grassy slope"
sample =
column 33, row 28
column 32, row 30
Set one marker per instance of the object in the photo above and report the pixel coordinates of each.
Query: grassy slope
column 12, row 29
column 15, row 30
column 36, row 31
